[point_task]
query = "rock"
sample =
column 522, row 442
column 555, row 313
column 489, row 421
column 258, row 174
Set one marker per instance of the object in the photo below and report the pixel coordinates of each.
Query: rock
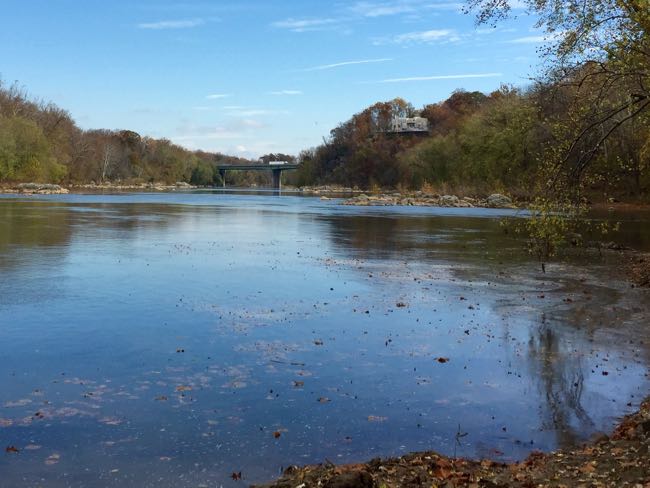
column 496, row 200
column 41, row 188
column 182, row 184
column 449, row 200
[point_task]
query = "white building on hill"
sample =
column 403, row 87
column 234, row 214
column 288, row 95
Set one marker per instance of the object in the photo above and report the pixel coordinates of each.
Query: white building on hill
column 409, row 124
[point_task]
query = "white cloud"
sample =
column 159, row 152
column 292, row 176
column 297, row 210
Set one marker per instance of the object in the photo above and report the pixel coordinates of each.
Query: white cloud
column 528, row 40
column 209, row 133
column 370, row 9
column 286, row 92
column 399, row 7
column 538, row 38
column 252, row 124
column 423, row 37
column 218, row 96
column 304, row 25
column 346, row 63
column 248, row 112
column 440, row 77
column 172, row 24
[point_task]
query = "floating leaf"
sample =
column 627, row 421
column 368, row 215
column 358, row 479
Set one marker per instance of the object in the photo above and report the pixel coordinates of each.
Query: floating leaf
column 12, row 449
column 53, row 459
column 375, row 418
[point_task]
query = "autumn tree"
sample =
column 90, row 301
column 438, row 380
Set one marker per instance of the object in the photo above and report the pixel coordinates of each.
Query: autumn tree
column 600, row 51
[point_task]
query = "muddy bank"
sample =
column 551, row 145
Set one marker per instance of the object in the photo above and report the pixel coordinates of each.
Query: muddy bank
column 622, row 460
column 421, row 199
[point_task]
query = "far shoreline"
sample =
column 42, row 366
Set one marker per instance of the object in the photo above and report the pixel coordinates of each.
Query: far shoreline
column 350, row 196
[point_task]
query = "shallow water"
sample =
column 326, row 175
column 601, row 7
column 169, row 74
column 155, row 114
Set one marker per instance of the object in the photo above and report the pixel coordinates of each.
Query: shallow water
column 168, row 339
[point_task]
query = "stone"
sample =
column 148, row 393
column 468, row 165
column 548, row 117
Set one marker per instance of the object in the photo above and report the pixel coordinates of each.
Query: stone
column 41, row 188
column 496, row 200
column 449, row 200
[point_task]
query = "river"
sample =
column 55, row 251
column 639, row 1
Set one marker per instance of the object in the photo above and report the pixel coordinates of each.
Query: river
column 171, row 340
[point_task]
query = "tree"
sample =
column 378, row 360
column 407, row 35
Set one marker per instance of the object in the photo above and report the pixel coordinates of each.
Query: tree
column 600, row 51
column 25, row 154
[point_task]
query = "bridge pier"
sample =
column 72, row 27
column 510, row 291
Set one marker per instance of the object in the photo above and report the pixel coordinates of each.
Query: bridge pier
column 277, row 179
column 222, row 173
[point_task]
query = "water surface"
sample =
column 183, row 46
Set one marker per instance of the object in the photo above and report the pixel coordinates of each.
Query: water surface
column 170, row 340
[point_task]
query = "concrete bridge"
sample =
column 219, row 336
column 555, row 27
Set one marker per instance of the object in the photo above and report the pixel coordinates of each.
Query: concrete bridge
column 276, row 170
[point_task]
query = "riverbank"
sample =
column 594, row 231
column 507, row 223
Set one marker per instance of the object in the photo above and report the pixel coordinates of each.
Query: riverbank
column 622, row 460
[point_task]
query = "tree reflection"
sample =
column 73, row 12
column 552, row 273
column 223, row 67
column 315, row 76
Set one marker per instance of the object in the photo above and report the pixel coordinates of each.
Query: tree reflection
column 561, row 382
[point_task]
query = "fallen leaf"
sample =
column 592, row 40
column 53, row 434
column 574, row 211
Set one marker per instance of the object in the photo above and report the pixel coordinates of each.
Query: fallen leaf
column 375, row 418
column 12, row 449
column 236, row 476
column 442, row 360
column 53, row 459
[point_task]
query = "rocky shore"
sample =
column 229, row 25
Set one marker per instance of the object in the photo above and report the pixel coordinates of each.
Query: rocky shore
column 420, row 199
column 50, row 189
column 35, row 189
column 162, row 187
column 622, row 460
column 327, row 190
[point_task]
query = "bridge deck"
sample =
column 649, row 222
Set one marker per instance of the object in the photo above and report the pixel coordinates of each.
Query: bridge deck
column 256, row 167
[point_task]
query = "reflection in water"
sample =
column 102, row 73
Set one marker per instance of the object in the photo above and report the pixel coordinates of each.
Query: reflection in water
column 161, row 340
column 561, row 379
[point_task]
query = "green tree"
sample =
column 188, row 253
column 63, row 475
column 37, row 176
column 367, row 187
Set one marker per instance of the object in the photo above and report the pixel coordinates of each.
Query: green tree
column 25, row 154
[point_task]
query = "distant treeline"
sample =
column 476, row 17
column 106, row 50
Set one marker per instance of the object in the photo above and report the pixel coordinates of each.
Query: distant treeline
column 477, row 143
column 40, row 142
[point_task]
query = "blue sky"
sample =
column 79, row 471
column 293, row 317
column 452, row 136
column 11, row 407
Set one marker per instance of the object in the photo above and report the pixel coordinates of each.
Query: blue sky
column 250, row 77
